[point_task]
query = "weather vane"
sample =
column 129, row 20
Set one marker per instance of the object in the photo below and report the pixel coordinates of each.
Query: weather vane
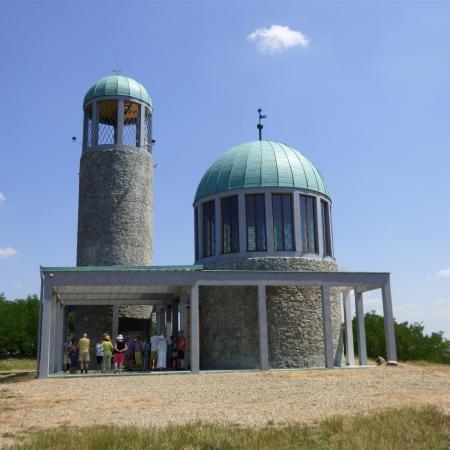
column 260, row 126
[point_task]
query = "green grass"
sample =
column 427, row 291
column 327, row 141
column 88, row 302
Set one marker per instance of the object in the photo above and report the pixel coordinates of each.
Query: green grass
column 406, row 428
column 12, row 364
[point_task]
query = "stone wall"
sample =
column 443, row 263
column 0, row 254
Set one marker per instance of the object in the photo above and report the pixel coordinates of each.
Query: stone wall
column 229, row 319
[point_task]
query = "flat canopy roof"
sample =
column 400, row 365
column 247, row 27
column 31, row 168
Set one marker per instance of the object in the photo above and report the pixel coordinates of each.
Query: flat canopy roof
column 108, row 285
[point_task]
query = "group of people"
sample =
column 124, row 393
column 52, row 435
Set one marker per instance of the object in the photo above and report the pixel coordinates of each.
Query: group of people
column 155, row 353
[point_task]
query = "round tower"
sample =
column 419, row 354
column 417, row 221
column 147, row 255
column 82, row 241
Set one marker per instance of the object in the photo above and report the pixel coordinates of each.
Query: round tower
column 263, row 205
column 116, row 173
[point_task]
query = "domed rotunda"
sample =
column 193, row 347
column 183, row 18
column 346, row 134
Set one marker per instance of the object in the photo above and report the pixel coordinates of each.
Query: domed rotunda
column 264, row 206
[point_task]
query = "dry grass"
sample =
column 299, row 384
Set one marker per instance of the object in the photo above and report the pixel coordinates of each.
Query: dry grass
column 406, row 428
column 17, row 365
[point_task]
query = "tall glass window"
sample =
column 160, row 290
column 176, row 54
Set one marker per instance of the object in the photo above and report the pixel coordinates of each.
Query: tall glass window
column 283, row 230
column 308, row 224
column 196, row 232
column 209, row 228
column 230, row 224
column 256, row 222
column 326, row 228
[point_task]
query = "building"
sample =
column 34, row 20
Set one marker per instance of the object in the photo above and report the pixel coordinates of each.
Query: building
column 265, row 290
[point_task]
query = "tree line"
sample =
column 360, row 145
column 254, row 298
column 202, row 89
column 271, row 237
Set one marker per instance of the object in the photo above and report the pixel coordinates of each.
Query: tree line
column 19, row 320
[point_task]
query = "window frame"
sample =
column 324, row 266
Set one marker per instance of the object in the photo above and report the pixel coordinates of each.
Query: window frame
column 254, row 201
column 282, row 195
column 233, row 238
column 206, row 206
column 326, row 228
column 316, row 240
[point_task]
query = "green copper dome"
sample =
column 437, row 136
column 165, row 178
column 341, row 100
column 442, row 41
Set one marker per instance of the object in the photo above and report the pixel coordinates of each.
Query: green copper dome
column 260, row 164
column 117, row 85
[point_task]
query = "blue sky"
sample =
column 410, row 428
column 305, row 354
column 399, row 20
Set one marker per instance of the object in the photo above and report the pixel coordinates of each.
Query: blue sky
column 367, row 100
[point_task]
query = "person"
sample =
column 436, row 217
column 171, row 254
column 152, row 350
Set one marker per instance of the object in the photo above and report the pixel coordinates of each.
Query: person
column 99, row 355
column 119, row 351
column 73, row 355
column 173, row 351
column 146, row 352
column 153, row 348
column 161, row 350
column 138, row 353
column 107, row 349
column 66, row 355
column 181, row 347
column 84, row 353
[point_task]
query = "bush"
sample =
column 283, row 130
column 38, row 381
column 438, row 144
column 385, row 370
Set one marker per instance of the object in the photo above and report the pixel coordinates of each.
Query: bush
column 412, row 343
column 19, row 327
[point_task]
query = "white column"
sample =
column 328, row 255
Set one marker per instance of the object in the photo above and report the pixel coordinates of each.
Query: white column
column 59, row 336
column 262, row 321
column 242, row 223
column 269, row 222
column 183, row 317
column 95, row 123
column 120, row 120
column 389, row 330
column 115, row 322
column 327, row 328
column 53, row 337
column 350, row 352
column 360, row 328
column 46, row 324
column 218, row 226
column 195, row 331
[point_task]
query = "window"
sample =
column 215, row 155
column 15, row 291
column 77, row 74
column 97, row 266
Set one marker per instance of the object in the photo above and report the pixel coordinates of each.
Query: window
column 209, row 228
column 196, row 232
column 88, row 126
column 283, row 230
column 148, row 129
column 308, row 224
column 230, row 224
column 326, row 228
column 256, row 222
column 107, row 122
column 131, row 124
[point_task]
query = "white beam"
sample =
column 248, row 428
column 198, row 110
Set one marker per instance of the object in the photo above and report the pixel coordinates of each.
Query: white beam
column 350, row 351
column 360, row 328
column 389, row 330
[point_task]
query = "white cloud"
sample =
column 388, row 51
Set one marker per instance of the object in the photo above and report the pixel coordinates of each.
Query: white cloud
column 7, row 252
column 277, row 39
column 444, row 273
column 2, row 197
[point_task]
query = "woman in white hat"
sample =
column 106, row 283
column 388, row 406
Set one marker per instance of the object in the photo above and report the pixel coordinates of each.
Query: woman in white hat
column 120, row 348
column 162, row 353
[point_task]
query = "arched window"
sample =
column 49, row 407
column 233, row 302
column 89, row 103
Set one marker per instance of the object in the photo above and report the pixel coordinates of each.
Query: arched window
column 308, row 224
column 230, row 224
column 256, row 222
column 283, row 230
column 209, row 228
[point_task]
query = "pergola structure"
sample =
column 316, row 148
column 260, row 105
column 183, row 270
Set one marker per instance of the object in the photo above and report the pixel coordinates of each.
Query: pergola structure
column 161, row 286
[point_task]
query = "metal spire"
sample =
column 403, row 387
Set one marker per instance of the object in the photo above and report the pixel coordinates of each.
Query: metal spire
column 260, row 126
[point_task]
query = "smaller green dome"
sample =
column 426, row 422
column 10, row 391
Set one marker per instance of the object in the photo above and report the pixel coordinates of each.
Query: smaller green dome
column 260, row 164
column 118, row 85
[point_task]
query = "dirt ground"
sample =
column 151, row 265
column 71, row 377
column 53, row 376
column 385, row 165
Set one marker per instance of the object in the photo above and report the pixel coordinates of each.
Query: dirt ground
column 245, row 398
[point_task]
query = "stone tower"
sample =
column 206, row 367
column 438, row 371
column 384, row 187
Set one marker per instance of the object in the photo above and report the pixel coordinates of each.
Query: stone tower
column 263, row 205
column 116, row 172
column 115, row 192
